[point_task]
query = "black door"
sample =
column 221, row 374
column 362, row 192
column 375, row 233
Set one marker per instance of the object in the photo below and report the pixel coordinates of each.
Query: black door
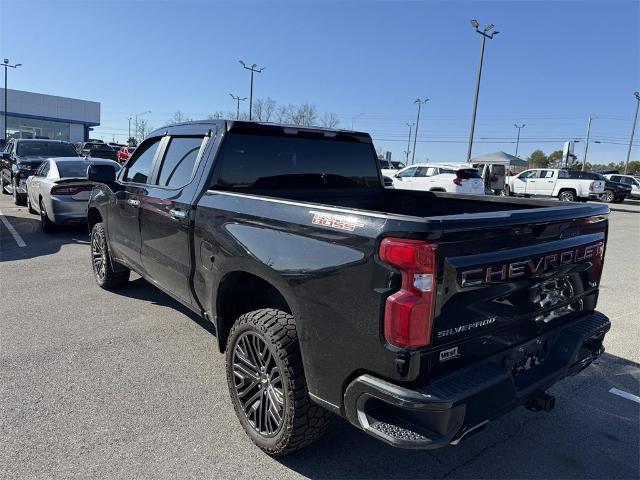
column 124, row 217
column 165, row 215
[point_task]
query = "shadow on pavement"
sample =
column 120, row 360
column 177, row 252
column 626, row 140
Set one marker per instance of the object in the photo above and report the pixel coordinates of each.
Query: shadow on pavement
column 590, row 434
column 38, row 243
column 140, row 289
column 621, row 209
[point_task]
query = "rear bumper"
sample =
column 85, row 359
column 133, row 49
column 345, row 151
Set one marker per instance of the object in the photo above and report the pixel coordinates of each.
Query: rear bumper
column 445, row 411
column 66, row 211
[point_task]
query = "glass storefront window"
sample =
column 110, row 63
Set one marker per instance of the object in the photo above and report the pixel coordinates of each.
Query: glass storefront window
column 31, row 128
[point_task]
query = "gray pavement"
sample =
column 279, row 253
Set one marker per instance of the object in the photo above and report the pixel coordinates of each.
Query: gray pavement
column 129, row 384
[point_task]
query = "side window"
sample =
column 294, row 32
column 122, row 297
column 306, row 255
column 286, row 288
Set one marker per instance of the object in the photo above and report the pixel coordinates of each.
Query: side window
column 546, row 174
column 614, row 178
column 409, row 172
column 140, row 167
column 422, row 172
column 44, row 169
column 179, row 161
column 527, row 174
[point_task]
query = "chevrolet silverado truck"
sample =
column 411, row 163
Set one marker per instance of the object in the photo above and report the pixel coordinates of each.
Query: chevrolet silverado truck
column 418, row 316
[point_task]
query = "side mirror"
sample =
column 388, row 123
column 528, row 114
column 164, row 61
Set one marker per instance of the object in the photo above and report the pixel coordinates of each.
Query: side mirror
column 101, row 173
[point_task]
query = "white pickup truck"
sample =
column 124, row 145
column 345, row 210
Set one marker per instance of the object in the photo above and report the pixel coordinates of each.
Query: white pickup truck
column 552, row 182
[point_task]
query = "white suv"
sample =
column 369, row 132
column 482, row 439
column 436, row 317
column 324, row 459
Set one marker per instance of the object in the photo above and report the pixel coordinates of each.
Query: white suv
column 552, row 182
column 434, row 177
column 633, row 182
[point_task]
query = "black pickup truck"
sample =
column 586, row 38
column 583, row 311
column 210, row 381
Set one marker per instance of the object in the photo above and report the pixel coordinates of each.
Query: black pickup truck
column 418, row 316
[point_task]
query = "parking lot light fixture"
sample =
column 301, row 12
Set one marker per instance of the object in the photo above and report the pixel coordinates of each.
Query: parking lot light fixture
column 415, row 133
column 408, row 151
column 253, row 69
column 238, row 100
column 7, row 65
column 485, row 33
column 633, row 129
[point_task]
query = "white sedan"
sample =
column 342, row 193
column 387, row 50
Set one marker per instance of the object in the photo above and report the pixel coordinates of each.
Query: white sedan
column 434, row 177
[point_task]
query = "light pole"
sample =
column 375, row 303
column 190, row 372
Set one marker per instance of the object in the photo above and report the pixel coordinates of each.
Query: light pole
column 415, row 133
column 7, row 66
column 253, row 70
column 139, row 115
column 408, row 151
column 354, row 118
column 129, row 137
column 586, row 145
column 518, row 140
column 633, row 129
column 238, row 100
column 485, row 34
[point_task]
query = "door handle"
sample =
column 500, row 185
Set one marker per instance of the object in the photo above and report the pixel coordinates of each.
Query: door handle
column 178, row 214
column 133, row 202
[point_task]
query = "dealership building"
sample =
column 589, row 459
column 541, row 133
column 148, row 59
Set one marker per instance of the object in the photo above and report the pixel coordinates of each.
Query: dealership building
column 36, row 115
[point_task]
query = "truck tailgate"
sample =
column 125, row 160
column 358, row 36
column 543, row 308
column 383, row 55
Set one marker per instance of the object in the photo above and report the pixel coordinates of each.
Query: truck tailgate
column 500, row 286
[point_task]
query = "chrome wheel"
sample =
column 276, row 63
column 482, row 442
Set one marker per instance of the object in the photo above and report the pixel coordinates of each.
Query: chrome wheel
column 99, row 255
column 567, row 197
column 258, row 384
column 607, row 196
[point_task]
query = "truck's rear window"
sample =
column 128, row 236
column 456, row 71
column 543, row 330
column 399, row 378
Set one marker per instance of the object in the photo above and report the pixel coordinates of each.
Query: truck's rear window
column 260, row 161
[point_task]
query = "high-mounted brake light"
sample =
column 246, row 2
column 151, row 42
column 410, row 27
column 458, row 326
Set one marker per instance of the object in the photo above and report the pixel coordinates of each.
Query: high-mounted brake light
column 408, row 314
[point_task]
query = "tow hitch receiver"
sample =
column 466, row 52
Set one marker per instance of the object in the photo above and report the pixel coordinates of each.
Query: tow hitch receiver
column 541, row 401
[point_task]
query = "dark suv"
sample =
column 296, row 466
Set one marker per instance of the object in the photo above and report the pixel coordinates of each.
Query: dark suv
column 614, row 192
column 22, row 157
column 99, row 150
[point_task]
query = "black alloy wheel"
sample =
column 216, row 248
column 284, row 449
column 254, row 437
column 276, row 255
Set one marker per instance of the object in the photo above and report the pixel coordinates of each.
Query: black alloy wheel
column 99, row 256
column 258, row 384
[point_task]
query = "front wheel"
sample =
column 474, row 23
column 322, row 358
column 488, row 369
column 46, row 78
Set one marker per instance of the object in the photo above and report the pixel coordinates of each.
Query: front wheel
column 267, row 383
column 102, row 263
column 18, row 199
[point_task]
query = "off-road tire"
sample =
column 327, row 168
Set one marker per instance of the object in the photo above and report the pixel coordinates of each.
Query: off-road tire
column 102, row 263
column 302, row 421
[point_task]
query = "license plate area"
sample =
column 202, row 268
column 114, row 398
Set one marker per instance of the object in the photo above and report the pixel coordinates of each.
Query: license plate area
column 527, row 357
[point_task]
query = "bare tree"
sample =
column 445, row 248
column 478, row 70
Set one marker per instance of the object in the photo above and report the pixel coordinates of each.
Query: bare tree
column 329, row 120
column 263, row 109
column 217, row 115
column 305, row 115
column 283, row 113
column 179, row 117
column 144, row 129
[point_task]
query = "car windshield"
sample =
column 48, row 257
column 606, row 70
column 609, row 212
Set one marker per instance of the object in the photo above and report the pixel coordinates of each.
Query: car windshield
column 45, row 149
column 75, row 169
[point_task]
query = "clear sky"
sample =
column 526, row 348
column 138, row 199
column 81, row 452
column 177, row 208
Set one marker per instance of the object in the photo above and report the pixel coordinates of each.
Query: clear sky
column 552, row 65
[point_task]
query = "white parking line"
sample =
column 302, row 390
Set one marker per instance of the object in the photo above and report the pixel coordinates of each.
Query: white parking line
column 623, row 394
column 14, row 233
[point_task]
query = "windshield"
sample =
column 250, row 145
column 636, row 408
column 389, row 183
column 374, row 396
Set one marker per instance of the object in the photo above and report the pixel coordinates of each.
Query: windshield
column 75, row 169
column 100, row 147
column 45, row 149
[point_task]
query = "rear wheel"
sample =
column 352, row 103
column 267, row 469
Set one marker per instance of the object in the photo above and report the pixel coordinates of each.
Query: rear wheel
column 567, row 196
column 2, row 187
column 102, row 262
column 267, row 383
column 47, row 225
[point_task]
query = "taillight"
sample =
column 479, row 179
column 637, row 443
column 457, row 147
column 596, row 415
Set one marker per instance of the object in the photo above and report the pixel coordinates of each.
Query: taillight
column 73, row 190
column 408, row 313
column 457, row 181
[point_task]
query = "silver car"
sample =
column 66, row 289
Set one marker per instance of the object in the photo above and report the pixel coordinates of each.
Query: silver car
column 59, row 190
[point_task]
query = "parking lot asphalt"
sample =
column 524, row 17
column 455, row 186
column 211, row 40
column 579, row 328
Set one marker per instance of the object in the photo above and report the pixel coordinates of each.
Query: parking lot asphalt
column 128, row 384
